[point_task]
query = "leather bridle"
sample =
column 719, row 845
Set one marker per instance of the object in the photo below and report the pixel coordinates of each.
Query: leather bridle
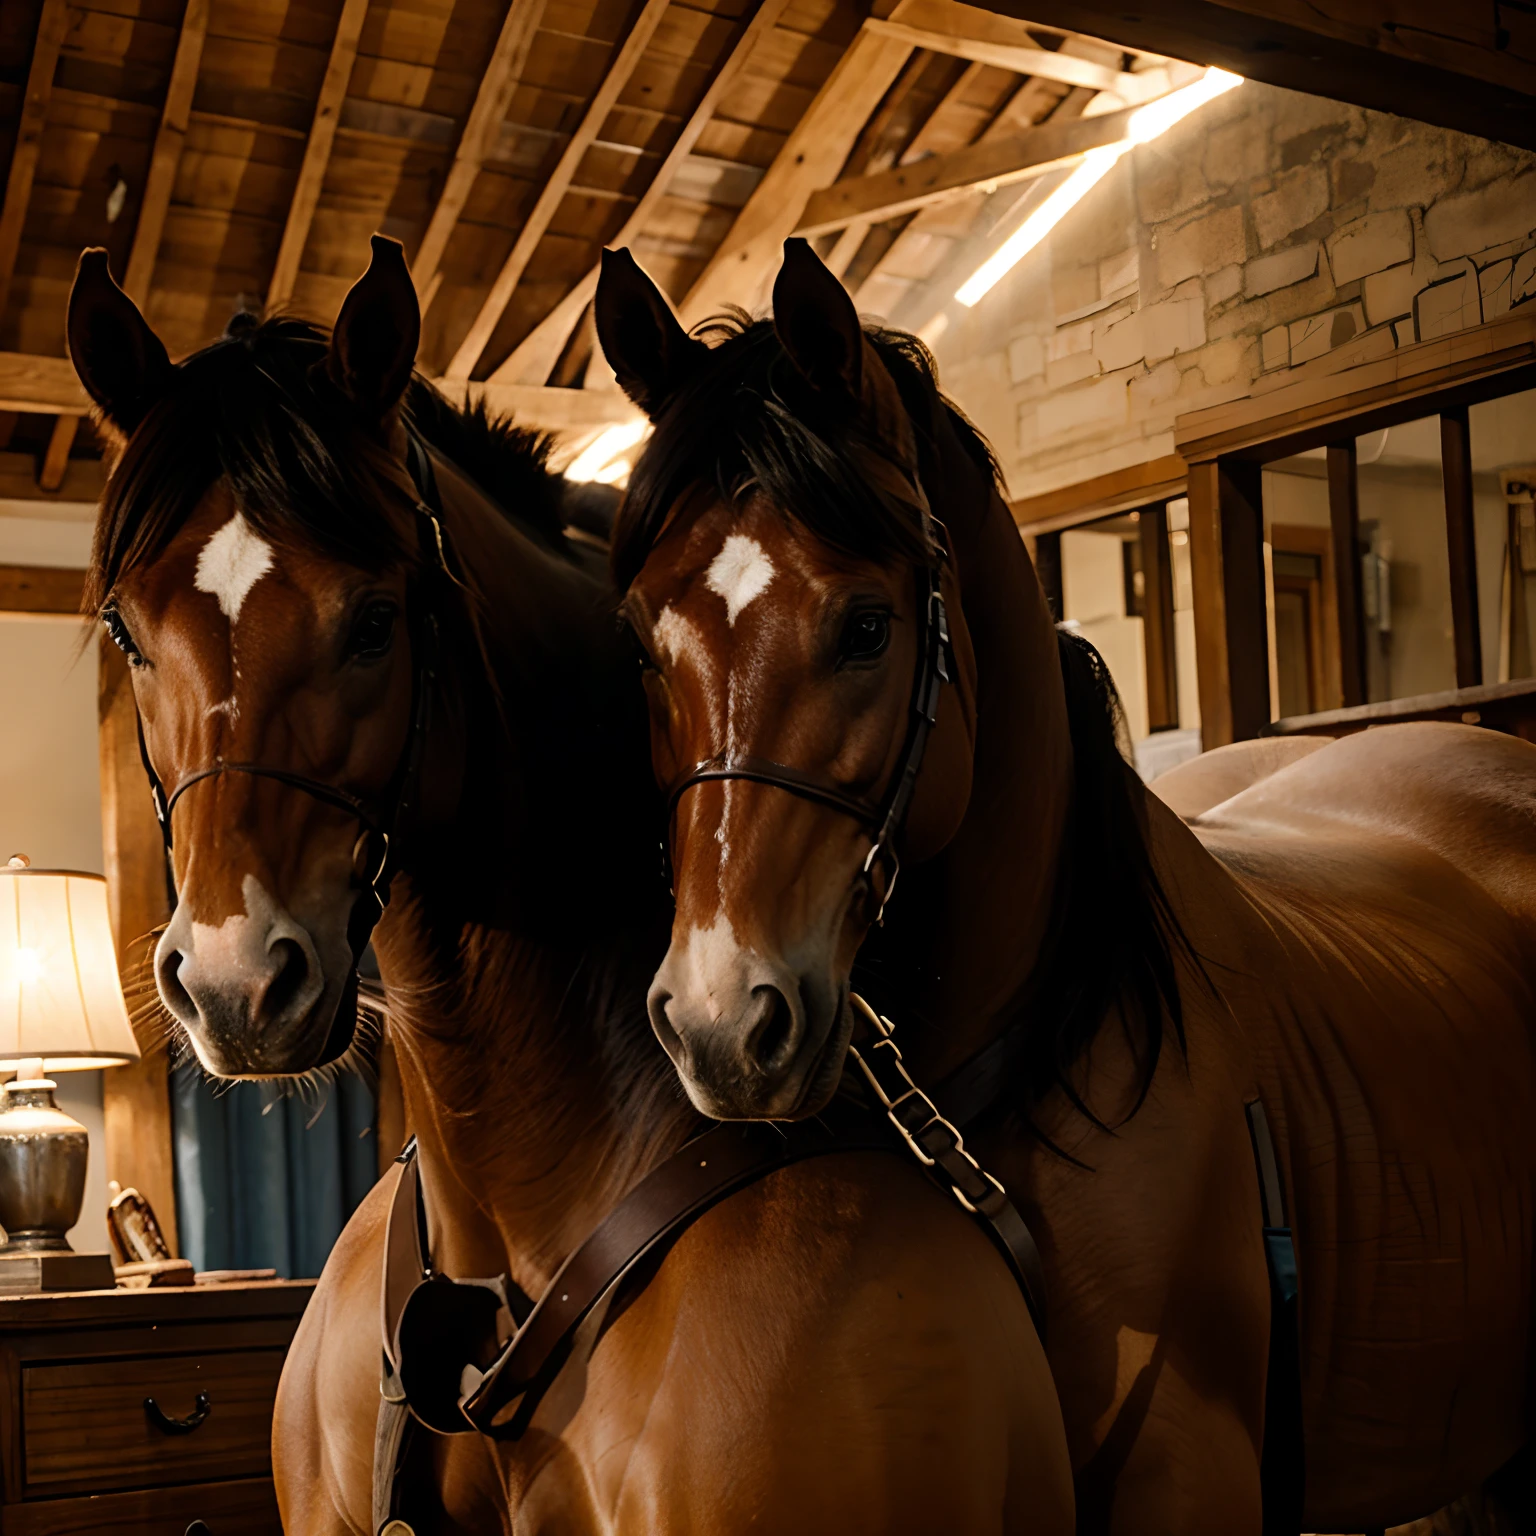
column 885, row 817
column 376, row 854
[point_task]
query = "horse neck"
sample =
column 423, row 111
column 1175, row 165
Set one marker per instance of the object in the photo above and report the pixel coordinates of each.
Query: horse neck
column 515, row 953
column 964, row 934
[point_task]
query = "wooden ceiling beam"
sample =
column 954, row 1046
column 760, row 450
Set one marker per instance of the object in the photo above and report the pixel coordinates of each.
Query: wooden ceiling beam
column 55, row 465
column 482, row 132
column 985, row 165
column 534, row 358
column 40, row 384
column 165, row 157
column 1452, row 69
column 983, row 37
column 811, row 157
column 543, row 211
column 51, row 25
column 317, row 152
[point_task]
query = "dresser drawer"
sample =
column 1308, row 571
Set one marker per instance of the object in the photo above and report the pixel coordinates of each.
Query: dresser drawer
column 85, row 1426
column 247, row 1507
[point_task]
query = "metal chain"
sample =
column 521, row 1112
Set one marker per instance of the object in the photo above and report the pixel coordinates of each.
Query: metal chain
column 933, row 1140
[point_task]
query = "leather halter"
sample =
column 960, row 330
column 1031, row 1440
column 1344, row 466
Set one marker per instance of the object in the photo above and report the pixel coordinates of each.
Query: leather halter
column 382, row 831
column 886, row 817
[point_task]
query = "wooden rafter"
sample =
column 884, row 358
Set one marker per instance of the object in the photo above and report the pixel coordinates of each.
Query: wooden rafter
column 481, row 130
column 56, row 460
column 165, row 158
column 317, row 152
column 531, row 361
column 543, row 212
column 989, row 163
column 846, row 248
column 810, row 157
column 945, row 26
column 51, row 26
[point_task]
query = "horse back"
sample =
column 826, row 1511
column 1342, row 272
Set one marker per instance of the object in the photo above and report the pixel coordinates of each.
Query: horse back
column 1383, row 965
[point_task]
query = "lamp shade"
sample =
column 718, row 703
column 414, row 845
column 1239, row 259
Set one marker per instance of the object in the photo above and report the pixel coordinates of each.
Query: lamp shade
column 60, row 996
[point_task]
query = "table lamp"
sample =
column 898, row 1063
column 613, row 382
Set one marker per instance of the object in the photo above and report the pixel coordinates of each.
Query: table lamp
column 61, row 1010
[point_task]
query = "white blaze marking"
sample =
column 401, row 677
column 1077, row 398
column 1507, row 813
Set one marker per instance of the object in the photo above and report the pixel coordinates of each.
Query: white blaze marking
column 232, row 562
column 675, row 636
column 711, row 957
column 739, row 573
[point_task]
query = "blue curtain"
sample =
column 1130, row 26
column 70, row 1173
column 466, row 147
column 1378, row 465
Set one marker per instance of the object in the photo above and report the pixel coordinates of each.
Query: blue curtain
column 264, row 1179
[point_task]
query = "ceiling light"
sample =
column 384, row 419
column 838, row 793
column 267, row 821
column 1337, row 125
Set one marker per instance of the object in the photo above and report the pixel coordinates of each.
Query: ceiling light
column 609, row 444
column 1145, row 124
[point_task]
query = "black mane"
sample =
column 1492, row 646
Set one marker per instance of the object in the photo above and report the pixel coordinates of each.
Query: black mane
column 256, row 410
column 747, row 423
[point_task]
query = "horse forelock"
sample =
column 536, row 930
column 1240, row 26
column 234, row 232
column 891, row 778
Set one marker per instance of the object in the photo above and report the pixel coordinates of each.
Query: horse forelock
column 747, row 425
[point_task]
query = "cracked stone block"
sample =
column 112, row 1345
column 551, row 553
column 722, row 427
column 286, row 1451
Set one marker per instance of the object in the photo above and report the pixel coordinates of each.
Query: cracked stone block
column 1153, row 389
column 1297, row 200
column 1448, row 306
column 1416, row 171
column 1522, row 280
column 1280, row 270
column 1200, row 246
column 1061, row 371
column 1390, row 293
column 1220, row 362
column 1275, row 349
column 1089, row 405
column 1121, row 345
column 1403, row 332
column 1493, row 285
column 1068, row 340
column 1176, row 326
column 1371, row 244
column 1223, row 285
column 1502, row 211
column 1318, row 334
column 1167, row 184
column 1118, row 273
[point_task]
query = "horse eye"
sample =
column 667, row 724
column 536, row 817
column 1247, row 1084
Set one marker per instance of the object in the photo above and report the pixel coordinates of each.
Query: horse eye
column 117, row 631
column 643, row 657
column 372, row 631
column 866, row 635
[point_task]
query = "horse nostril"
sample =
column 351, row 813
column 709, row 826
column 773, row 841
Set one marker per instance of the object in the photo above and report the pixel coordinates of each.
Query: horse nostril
column 775, row 1027
column 291, row 971
column 173, row 992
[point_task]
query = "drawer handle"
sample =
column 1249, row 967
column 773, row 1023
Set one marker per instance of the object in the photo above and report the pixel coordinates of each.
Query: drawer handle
column 169, row 1426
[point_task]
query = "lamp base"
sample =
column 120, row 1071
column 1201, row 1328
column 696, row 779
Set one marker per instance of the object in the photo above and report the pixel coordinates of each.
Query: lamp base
column 30, row 1274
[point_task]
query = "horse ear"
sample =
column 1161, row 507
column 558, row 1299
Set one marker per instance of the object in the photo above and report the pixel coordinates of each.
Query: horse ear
column 650, row 353
column 373, row 347
column 816, row 322
column 121, row 362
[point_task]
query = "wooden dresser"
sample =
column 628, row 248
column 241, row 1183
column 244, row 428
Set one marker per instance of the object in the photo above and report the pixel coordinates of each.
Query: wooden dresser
column 81, row 1451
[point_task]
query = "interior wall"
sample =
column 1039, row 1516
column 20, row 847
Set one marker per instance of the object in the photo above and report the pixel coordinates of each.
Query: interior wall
column 50, row 785
column 1269, row 235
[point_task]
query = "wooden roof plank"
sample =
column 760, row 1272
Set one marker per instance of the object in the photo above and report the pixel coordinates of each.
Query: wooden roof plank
column 51, row 26
column 812, row 155
column 1041, row 63
column 166, row 155
column 482, row 135
column 538, row 221
column 317, row 152
column 989, row 163
column 536, row 355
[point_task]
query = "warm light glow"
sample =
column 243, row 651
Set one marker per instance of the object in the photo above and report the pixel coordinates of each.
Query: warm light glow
column 1145, row 124
column 612, row 474
column 60, row 997
column 596, row 456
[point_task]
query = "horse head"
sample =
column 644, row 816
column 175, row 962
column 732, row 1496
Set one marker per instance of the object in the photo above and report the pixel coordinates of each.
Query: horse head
column 783, row 578
column 259, row 559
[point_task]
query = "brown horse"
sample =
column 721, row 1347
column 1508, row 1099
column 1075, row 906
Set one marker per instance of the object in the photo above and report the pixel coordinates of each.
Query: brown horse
column 1350, row 940
column 836, row 1348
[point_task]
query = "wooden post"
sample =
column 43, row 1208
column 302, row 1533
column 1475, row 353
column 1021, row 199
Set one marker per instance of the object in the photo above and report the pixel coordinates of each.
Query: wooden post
column 1226, row 537
column 137, row 1097
column 1344, row 514
column 1461, row 538
column 1157, row 620
column 1048, row 568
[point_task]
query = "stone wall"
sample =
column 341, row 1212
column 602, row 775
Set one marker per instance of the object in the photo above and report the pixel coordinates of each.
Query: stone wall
column 1265, row 231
